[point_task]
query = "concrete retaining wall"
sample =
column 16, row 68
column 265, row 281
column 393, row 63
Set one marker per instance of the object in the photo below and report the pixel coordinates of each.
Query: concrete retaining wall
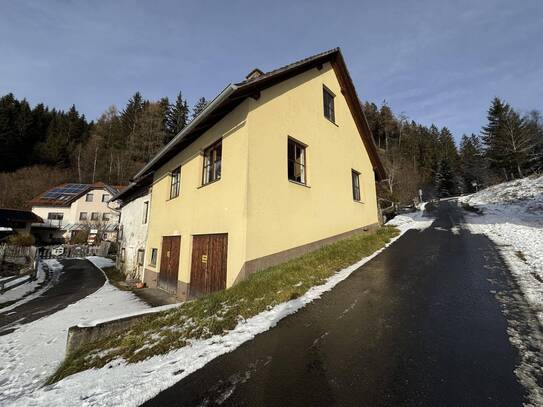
column 79, row 336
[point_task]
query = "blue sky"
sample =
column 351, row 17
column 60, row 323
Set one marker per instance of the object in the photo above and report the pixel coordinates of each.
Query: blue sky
column 437, row 62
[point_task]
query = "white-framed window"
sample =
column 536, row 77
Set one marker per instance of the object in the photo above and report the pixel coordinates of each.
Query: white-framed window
column 89, row 197
column 212, row 163
column 296, row 162
column 328, row 103
column 83, row 216
column 106, row 216
column 355, row 180
column 95, row 216
column 105, row 198
column 175, row 182
column 55, row 216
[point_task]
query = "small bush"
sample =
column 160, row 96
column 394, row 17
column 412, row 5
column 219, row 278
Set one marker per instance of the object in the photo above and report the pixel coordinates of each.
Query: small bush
column 21, row 239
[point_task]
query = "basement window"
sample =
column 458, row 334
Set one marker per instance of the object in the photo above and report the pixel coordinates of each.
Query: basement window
column 212, row 163
column 355, row 178
column 328, row 102
column 296, row 161
column 154, row 255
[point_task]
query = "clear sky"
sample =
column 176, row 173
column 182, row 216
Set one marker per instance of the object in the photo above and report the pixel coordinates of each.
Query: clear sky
column 436, row 61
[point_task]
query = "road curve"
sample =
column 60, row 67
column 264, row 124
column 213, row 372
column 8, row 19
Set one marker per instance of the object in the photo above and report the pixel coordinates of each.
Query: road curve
column 78, row 279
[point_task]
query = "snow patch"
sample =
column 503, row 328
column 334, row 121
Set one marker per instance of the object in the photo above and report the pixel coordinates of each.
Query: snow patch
column 415, row 220
column 31, row 353
column 101, row 262
column 31, row 290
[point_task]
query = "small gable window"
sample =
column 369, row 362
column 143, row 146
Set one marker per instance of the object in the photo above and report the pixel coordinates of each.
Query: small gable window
column 175, row 182
column 89, row 198
column 355, row 178
column 328, row 102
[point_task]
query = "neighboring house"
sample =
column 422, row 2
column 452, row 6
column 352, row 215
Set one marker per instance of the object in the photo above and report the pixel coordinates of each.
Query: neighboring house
column 16, row 221
column 70, row 208
column 274, row 167
column 134, row 204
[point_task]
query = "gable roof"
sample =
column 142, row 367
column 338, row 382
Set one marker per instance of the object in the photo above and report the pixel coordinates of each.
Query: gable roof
column 65, row 194
column 11, row 217
column 234, row 94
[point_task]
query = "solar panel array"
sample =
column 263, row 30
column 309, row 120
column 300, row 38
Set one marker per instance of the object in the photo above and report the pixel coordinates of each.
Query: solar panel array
column 65, row 192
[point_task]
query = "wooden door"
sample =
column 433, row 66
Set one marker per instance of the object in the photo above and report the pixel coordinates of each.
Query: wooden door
column 208, row 266
column 169, row 263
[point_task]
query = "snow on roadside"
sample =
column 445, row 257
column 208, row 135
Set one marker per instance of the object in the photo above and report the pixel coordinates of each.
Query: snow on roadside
column 100, row 262
column 513, row 218
column 413, row 220
column 30, row 354
column 31, row 290
column 114, row 384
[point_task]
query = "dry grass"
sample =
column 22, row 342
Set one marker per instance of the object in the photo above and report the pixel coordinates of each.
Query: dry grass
column 217, row 313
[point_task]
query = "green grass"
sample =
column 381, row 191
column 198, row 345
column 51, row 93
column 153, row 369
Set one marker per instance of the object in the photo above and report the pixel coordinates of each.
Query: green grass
column 220, row 312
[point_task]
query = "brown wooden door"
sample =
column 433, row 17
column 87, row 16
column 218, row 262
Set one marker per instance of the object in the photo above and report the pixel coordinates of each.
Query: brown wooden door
column 208, row 268
column 169, row 263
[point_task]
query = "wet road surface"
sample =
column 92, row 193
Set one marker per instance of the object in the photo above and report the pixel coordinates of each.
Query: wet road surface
column 419, row 325
column 78, row 279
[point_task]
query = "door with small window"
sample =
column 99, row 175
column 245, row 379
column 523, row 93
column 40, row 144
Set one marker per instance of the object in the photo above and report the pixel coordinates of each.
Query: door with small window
column 169, row 264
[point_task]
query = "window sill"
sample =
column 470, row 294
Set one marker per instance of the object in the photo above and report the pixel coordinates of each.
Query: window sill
column 299, row 183
column 358, row 202
column 171, row 199
column 209, row 183
column 330, row 121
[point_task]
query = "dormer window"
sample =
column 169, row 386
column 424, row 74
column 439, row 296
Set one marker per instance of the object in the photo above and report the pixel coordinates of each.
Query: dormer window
column 328, row 102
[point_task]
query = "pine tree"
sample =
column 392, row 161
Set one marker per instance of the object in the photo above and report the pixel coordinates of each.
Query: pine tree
column 444, row 179
column 199, row 107
column 178, row 117
column 473, row 166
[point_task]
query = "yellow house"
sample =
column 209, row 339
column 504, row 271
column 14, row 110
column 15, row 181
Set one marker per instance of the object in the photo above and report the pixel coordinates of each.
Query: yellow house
column 274, row 167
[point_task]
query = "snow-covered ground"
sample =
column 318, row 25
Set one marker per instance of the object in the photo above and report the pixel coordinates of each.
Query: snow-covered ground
column 32, row 289
column 30, row 354
column 413, row 220
column 122, row 384
column 513, row 219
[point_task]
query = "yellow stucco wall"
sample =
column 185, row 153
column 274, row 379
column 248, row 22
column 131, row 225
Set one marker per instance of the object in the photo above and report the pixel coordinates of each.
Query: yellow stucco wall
column 219, row 207
column 283, row 214
column 254, row 202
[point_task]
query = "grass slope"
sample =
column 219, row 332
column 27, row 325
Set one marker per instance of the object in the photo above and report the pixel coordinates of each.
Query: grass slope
column 217, row 313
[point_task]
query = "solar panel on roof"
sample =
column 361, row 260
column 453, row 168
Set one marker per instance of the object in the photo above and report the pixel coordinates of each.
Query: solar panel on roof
column 64, row 192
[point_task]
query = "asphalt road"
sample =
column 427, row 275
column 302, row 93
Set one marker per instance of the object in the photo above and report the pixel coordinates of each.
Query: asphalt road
column 78, row 279
column 419, row 325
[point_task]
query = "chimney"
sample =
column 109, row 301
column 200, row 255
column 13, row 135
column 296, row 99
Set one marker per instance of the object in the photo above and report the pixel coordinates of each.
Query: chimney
column 255, row 73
